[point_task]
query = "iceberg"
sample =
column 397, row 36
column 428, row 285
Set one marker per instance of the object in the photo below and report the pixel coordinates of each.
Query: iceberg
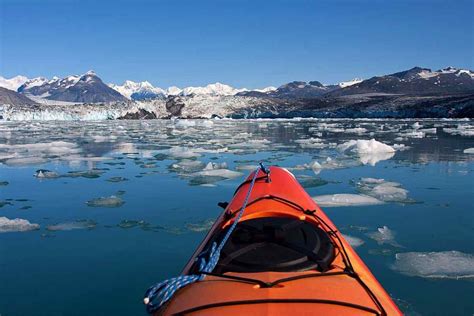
column 369, row 151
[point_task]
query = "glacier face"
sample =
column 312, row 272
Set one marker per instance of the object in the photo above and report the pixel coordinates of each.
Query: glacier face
column 196, row 106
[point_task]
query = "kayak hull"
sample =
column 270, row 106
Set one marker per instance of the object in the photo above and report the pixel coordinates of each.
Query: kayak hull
column 345, row 287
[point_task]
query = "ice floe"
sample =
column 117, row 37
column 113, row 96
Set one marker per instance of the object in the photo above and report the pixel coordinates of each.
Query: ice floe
column 460, row 129
column 46, row 174
column 202, row 226
column 79, row 224
column 109, row 201
column 311, row 181
column 182, row 153
column 353, row 241
column 345, row 199
column 217, row 171
column 469, row 150
column 445, row 264
column 384, row 235
column 386, row 191
column 187, row 166
column 117, row 179
column 36, row 153
column 16, row 225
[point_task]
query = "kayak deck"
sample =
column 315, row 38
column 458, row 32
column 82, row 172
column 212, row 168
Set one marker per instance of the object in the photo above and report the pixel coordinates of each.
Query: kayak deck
column 285, row 257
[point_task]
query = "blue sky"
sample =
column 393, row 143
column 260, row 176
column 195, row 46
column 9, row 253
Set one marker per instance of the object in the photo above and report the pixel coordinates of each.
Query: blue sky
column 243, row 43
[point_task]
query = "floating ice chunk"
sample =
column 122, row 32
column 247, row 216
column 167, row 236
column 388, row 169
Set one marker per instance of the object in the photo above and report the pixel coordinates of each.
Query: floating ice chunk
column 25, row 161
column 428, row 130
column 362, row 146
column 206, row 123
column 46, row 174
column 16, row 225
column 90, row 174
column 110, row 201
column 246, row 167
column 117, row 179
column 311, row 143
column 187, row 166
column 315, row 166
column 202, row 226
column 353, row 241
column 311, row 182
column 103, row 138
column 444, row 264
column 461, row 129
column 372, row 180
column 223, row 173
column 384, row 235
column 203, row 180
column 413, row 134
column 356, row 130
column 369, row 151
column 386, row 191
column 184, row 123
column 215, row 166
column 417, row 125
column 182, row 153
column 345, row 199
column 469, row 150
column 389, row 192
column 400, row 147
column 80, row 224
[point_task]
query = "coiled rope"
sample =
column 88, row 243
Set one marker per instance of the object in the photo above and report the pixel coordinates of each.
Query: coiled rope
column 163, row 291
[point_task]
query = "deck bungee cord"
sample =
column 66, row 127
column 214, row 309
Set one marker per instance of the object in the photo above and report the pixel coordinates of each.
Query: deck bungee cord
column 163, row 291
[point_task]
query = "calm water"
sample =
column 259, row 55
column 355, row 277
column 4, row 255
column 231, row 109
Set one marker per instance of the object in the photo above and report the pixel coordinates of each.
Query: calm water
column 125, row 203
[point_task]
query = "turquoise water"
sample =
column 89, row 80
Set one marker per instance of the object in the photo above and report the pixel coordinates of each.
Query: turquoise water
column 95, row 257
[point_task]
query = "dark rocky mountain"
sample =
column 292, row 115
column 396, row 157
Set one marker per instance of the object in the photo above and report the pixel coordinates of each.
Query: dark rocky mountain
column 14, row 98
column 415, row 81
column 87, row 88
column 295, row 90
column 364, row 106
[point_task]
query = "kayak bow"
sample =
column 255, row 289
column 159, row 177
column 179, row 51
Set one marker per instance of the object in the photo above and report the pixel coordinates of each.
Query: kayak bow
column 273, row 251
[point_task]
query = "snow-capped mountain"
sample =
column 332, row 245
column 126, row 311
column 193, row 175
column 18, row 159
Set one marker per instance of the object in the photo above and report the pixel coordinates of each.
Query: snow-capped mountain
column 139, row 90
column 173, row 90
column 12, row 83
column 86, row 88
column 415, row 81
column 145, row 90
column 350, row 82
column 211, row 89
column 266, row 90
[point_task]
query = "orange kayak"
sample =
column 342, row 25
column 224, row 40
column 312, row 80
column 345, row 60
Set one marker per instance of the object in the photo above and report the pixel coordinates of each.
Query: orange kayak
column 283, row 257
